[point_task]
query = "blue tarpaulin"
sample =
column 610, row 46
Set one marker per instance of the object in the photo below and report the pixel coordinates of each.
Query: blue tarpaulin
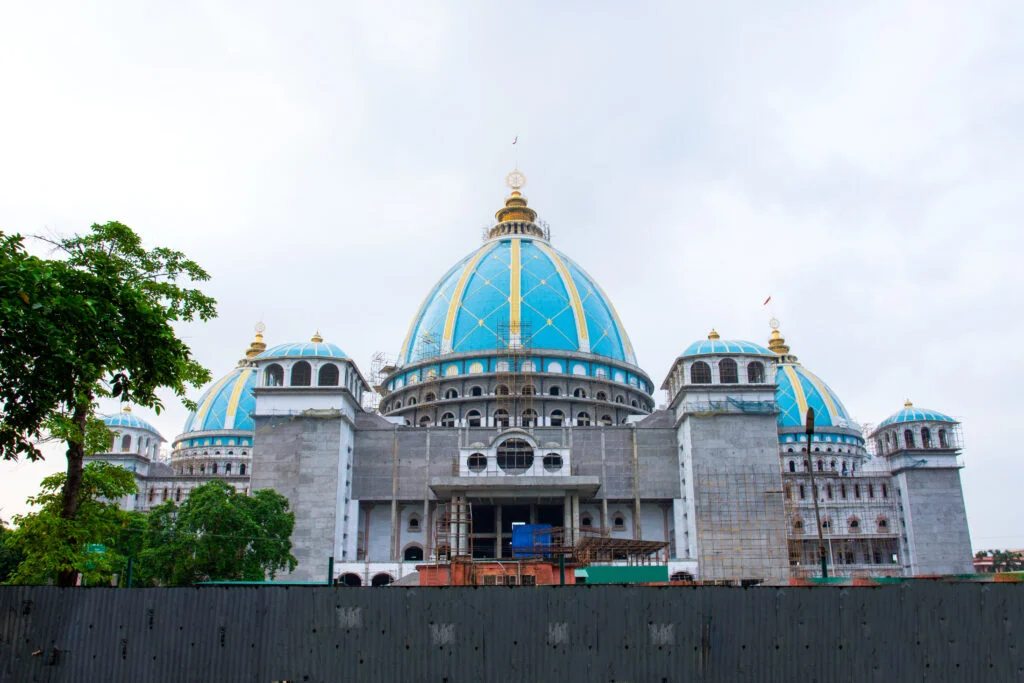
column 526, row 542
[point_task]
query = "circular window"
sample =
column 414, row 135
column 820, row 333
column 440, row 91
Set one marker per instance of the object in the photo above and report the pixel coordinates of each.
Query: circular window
column 515, row 456
column 553, row 463
column 477, row 462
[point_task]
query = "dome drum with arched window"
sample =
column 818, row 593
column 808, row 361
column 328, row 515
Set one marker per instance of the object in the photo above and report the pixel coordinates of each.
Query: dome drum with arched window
column 913, row 428
column 315, row 365
column 132, row 434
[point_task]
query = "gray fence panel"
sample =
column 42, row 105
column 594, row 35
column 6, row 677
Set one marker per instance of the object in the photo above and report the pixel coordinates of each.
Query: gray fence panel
column 913, row 631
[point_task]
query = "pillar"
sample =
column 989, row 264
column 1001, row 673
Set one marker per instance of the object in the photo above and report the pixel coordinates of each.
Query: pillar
column 497, row 531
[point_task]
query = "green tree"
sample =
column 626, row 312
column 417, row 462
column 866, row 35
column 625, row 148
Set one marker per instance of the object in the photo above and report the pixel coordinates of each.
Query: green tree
column 219, row 535
column 54, row 545
column 96, row 322
column 10, row 556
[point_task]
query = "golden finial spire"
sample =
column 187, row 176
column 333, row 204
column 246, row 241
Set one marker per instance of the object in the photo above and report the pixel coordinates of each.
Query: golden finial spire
column 126, row 409
column 713, row 334
column 777, row 343
column 516, row 211
column 908, row 404
column 316, row 338
column 257, row 346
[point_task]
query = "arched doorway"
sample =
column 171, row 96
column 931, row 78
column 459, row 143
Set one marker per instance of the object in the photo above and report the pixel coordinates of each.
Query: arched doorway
column 382, row 580
column 413, row 553
column 350, row 580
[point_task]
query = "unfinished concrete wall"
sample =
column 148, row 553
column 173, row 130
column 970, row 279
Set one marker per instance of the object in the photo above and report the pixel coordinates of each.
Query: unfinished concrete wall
column 735, row 495
column 938, row 539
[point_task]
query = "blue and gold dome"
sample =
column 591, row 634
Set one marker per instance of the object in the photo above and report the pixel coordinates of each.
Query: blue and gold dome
column 126, row 419
column 314, row 348
column 517, row 280
column 800, row 389
column 913, row 414
column 227, row 404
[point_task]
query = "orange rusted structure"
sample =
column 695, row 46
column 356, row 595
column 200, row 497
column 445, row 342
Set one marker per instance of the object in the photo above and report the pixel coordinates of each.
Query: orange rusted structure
column 525, row 572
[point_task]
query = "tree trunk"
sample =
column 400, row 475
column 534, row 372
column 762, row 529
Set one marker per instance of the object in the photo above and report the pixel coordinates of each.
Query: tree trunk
column 73, row 484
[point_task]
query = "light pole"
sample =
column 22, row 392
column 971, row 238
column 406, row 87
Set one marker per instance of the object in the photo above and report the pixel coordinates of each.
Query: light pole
column 814, row 495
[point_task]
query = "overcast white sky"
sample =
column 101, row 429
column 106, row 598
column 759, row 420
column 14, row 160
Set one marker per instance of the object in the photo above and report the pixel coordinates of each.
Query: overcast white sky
column 861, row 163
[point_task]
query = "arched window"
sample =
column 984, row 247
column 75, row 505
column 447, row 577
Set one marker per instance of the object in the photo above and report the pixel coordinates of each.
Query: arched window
column 555, row 391
column 302, row 374
column 700, row 373
column 883, row 525
column 601, row 396
column 501, row 390
column 429, row 397
column 620, row 399
column 601, row 373
column 177, row 495
column 351, row 580
column 501, row 366
column 943, row 439
column 553, row 463
column 555, row 367
column 476, row 391
column 832, row 465
column 476, row 368
column 382, row 580
column 414, row 524
column 529, row 418
column 634, row 403
column 727, row 371
column 396, row 405
column 215, row 468
column 126, row 442
column 821, row 466
column 528, row 366
column 583, row 420
column 328, row 375
column 792, row 466
column 448, row 420
column 227, row 468
column 798, row 526
column 826, row 525
column 425, row 421
column 413, row 553
column 451, row 393
column 411, row 401
column 586, row 520
column 515, row 456
column 579, row 393
column 529, row 390
column 501, row 418
column 681, row 576
column 191, row 470
column 926, row 438
column 241, row 469
column 451, row 371
column 853, row 525
column 557, row 416
column 473, row 418
column 579, row 369
column 755, row 372
column 273, row 375
column 908, row 438
column 607, row 420
column 477, row 462
column 618, row 522
column 202, row 469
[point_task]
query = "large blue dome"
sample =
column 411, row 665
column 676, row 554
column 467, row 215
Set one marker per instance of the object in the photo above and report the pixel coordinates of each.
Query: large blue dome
column 227, row 404
column 514, row 280
column 799, row 389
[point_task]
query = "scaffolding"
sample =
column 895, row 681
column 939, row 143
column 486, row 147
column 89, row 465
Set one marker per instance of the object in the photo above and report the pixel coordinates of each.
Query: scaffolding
column 382, row 365
column 515, row 388
column 740, row 523
column 453, row 524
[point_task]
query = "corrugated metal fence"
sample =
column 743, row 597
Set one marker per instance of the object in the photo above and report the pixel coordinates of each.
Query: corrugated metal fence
column 913, row 631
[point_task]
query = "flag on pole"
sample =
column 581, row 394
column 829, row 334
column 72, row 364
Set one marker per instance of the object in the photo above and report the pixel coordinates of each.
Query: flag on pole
column 516, row 140
column 766, row 301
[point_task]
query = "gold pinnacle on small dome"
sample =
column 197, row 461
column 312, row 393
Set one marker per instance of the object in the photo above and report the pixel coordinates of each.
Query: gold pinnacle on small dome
column 126, row 409
column 316, row 338
column 713, row 334
column 908, row 404
column 257, row 346
column 777, row 343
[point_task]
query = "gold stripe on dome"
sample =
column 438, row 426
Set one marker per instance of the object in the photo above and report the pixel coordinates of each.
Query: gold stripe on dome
column 236, row 394
column 416, row 321
column 798, row 391
column 211, row 396
column 820, row 386
column 618, row 324
column 456, row 301
column 574, row 296
column 515, row 298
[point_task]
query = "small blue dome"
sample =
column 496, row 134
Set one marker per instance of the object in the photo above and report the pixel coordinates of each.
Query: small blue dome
column 514, row 280
column 126, row 419
column 706, row 346
column 912, row 414
column 227, row 404
column 308, row 349
column 799, row 389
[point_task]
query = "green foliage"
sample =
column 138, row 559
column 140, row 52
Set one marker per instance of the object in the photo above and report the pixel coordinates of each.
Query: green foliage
column 43, row 536
column 10, row 556
column 96, row 322
column 219, row 535
column 1004, row 560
